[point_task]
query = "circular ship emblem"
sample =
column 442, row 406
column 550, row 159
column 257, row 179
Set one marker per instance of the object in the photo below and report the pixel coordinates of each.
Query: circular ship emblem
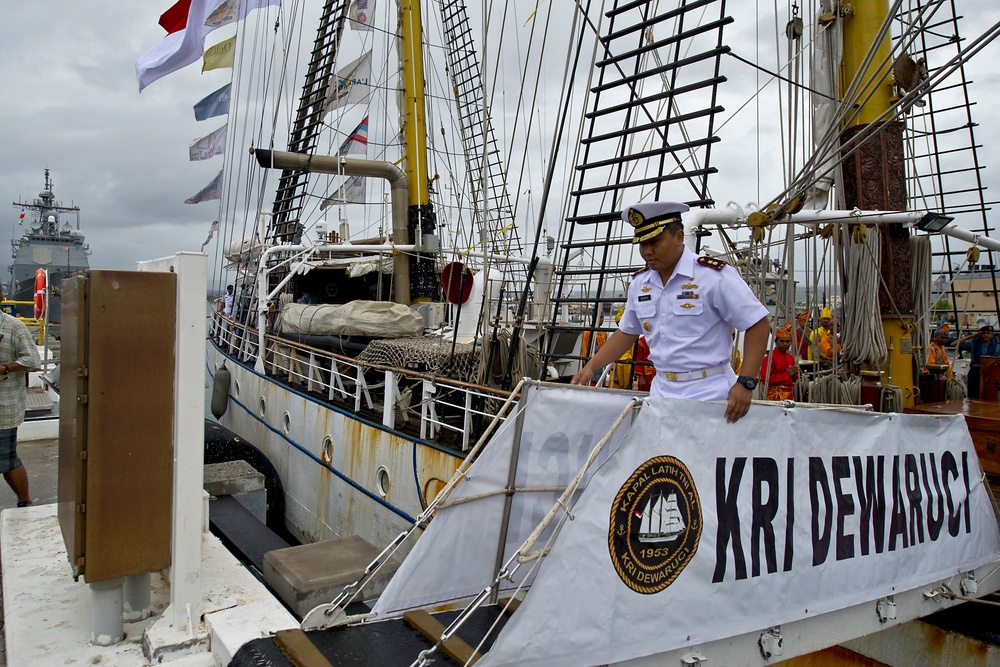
column 655, row 525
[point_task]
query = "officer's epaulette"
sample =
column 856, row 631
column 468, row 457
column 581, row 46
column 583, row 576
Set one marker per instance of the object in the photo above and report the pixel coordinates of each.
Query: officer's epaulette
column 712, row 263
column 642, row 270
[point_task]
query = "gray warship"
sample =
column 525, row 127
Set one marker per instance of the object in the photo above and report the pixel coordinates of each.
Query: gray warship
column 52, row 242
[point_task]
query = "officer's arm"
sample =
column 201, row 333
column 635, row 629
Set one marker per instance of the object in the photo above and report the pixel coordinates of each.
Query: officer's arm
column 612, row 350
column 755, row 343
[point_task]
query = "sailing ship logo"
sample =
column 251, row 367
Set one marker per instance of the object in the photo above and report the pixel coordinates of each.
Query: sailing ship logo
column 660, row 520
column 655, row 525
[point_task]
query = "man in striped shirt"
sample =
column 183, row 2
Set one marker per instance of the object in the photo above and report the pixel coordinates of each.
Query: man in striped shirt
column 18, row 356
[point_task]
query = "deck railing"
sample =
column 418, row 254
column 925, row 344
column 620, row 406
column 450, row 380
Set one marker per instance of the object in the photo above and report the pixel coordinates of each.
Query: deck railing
column 447, row 412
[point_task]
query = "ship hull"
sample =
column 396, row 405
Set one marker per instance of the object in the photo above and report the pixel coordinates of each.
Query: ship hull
column 61, row 260
column 342, row 475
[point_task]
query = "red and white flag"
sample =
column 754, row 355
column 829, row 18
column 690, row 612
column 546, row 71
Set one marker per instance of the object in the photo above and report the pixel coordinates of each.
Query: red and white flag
column 357, row 141
column 211, row 191
column 185, row 41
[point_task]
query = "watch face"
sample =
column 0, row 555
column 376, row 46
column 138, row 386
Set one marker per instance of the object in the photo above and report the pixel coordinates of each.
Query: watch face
column 749, row 383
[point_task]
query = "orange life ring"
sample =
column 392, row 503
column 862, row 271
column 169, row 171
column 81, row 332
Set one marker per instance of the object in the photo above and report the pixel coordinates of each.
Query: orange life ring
column 39, row 293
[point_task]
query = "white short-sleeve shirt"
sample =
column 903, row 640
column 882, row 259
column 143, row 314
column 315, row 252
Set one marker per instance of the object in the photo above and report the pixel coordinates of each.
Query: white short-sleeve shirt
column 688, row 322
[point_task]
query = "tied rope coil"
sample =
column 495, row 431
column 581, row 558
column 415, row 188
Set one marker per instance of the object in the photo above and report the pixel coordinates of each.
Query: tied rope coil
column 863, row 338
column 834, row 390
column 491, row 374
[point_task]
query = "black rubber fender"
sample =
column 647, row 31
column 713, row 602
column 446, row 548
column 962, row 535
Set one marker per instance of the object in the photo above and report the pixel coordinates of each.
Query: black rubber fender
column 220, row 391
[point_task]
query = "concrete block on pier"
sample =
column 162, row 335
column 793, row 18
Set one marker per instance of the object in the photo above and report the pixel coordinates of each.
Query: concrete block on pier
column 314, row 574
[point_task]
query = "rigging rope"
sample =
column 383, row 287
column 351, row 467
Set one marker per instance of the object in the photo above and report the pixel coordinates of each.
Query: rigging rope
column 920, row 278
column 863, row 338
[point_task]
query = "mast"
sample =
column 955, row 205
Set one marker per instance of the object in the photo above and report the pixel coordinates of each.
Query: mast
column 874, row 176
column 422, row 219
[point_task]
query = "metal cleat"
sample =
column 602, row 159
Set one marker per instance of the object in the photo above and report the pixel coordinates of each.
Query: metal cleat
column 693, row 658
column 886, row 609
column 970, row 587
column 770, row 643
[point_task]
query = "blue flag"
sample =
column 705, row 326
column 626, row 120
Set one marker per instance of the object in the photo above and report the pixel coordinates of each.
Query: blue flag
column 215, row 104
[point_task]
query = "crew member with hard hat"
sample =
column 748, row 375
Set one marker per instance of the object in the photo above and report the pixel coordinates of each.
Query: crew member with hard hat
column 816, row 336
column 686, row 306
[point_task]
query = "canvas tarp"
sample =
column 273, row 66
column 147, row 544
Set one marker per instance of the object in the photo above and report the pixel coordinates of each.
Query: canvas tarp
column 375, row 319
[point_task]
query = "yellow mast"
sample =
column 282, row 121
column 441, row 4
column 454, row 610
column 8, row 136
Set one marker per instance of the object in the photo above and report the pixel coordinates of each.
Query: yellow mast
column 874, row 176
column 414, row 123
column 861, row 30
column 422, row 222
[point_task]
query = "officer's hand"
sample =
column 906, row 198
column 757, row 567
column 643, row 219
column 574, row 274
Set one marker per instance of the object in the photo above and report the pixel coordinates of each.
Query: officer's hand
column 582, row 377
column 738, row 402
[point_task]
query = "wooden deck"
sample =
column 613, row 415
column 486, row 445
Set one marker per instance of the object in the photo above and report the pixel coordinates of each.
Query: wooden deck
column 983, row 419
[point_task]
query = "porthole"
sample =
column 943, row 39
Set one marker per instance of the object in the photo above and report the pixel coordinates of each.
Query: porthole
column 286, row 422
column 382, row 481
column 237, row 387
column 327, row 453
column 261, row 408
column 432, row 488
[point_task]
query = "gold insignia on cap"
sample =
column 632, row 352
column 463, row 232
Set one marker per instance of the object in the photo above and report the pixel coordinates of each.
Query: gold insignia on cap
column 635, row 217
column 645, row 325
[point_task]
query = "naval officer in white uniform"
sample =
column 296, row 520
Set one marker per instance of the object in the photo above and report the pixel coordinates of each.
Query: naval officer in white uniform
column 687, row 307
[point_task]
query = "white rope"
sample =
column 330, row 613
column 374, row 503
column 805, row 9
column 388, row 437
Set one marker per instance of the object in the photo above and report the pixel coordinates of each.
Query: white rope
column 492, row 375
column 920, row 279
column 862, row 335
column 892, row 399
column 954, row 390
column 834, row 390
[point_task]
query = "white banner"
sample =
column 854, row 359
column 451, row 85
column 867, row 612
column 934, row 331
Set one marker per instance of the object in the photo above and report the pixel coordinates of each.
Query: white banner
column 696, row 530
column 210, row 145
column 211, row 191
column 351, row 191
column 456, row 555
column 352, row 84
column 360, row 14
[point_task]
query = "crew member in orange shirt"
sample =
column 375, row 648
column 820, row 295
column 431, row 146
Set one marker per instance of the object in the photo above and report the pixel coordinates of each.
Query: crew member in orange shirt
column 779, row 371
column 935, row 351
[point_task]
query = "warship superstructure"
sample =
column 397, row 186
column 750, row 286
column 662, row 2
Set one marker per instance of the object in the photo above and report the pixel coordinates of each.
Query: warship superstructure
column 51, row 242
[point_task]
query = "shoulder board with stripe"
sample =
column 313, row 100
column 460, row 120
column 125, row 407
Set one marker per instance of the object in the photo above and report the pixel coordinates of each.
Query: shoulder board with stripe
column 712, row 263
column 642, row 270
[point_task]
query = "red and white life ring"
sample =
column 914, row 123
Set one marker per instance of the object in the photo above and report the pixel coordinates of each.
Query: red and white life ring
column 39, row 293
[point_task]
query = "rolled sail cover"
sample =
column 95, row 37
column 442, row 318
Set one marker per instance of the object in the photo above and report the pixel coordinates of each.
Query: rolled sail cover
column 376, row 319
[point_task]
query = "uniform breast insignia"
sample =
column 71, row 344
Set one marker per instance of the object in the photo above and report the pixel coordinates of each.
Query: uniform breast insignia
column 687, row 305
column 687, row 294
column 645, row 297
column 645, row 288
column 645, row 325
column 712, row 263
column 689, row 286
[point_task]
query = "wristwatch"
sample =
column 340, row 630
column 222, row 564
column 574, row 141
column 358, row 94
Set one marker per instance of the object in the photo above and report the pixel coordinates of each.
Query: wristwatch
column 747, row 381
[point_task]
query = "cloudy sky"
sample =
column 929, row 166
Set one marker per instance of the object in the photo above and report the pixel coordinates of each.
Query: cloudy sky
column 72, row 106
